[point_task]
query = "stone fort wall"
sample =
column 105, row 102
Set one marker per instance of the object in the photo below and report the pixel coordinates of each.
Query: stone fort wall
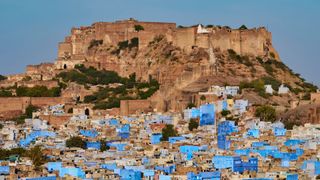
column 255, row 41
column 128, row 107
column 19, row 104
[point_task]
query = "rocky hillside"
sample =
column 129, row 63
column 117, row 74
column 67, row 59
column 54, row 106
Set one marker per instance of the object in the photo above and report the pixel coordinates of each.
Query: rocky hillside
column 182, row 73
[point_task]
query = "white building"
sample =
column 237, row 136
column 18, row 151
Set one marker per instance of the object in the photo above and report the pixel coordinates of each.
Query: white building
column 283, row 89
column 201, row 30
column 268, row 89
column 232, row 90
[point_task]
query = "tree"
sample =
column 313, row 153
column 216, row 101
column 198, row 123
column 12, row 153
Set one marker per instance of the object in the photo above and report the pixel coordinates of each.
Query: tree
column 2, row 77
column 225, row 113
column 168, row 131
column 202, row 98
column 75, row 141
column 1, row 126
column 4, row 153
column 29, row 110
column 35, row 154
column 193, row 124
column 243, row 27
column 266, row 113
column 70, row 110
column 103, row 146
column 5, row 93
column 138, row 27
column 191, row 105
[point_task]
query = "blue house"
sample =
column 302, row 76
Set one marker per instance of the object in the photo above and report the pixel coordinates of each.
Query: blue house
column 54, row 166
column 129, row 174
column 148, row 173
column 251, row 165
column 279, row 131
column 164, row 177
column 109, row 166
column 215, row 175
column 258, row 144
column 173, row 140
column 89, row 133
column 222, row 162
column 167, row 169
column 207, row 115
column 253, row 133
column 118, row 146
column 293, row 142
column 242, row 152
column 34, row 135
column 155, row 138
column 113, row 122
column 227, row 128
column 93, row 145
column 235, row 163
column 124, row 131
column 4, row 170
column 189, row 150
column 72, row 171
column 223, row 143
column 292, row 177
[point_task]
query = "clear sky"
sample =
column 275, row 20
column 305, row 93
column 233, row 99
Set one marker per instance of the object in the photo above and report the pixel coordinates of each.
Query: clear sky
column 31, row 29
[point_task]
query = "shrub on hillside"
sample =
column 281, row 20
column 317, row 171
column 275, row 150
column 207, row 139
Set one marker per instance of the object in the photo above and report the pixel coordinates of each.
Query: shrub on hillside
column 266, row 113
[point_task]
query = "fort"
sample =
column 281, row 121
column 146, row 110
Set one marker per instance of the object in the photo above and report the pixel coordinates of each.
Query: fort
column 81, row 47
column 75, row 48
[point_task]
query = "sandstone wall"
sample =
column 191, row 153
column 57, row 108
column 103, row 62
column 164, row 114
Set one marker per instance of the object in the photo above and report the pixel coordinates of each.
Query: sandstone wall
column 315, row 97
column 21, row 103
column 185, row 38
column 128, row 107
column 56, row 121
column 64, row 48
column 30, row 84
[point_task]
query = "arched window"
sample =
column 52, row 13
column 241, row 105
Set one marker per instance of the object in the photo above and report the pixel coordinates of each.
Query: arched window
column 64, row 66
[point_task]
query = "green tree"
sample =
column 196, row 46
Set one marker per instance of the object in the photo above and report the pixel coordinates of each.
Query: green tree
column 103, row 146
column 191, row 105
column 29, row 110
column 70, row 110
column 168, row 131
column 193, row 124
column 243, row 27
column 5, row 93
column 289, row 124
column 20, row 119
column 225, row 113
column 2, row 77
column 202, row 98
column 37, row 157
column 266, row 113
column 1, row 126
column 138, row 27
column 75, row 141
column 4, row 153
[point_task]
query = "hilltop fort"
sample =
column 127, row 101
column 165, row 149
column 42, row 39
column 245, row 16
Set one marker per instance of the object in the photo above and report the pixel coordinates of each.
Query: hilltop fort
column 171, row 64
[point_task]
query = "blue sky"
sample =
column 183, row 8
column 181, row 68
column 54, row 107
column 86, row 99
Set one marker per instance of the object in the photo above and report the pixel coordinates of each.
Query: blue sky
column 31, row 29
